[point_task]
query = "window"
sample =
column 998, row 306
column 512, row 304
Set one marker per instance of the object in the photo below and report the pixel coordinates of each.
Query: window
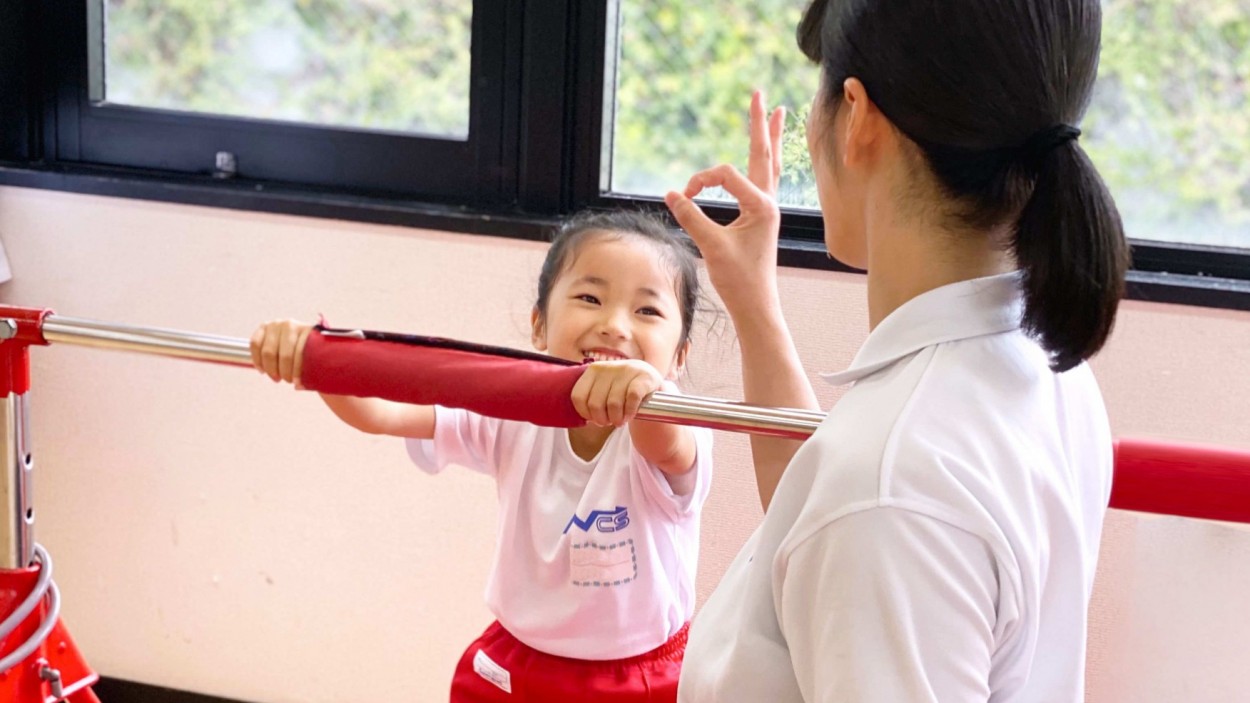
column 1169, row 125
column 683, row 77
column 381, row 96
column 387, row 65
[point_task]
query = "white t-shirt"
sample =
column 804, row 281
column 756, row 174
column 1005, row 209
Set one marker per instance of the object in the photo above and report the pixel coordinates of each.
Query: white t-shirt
column 594, row 559
column 935, row 539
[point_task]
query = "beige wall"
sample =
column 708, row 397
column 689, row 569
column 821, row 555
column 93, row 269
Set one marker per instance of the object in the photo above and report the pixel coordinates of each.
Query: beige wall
column 216, row 533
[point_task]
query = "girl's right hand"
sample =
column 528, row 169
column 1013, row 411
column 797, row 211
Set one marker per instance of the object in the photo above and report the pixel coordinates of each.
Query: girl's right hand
column 278, row 349
column 741, row 257
column 609, row 393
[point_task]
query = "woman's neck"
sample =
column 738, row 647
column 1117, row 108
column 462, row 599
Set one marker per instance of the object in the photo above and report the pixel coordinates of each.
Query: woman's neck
column 909, row 259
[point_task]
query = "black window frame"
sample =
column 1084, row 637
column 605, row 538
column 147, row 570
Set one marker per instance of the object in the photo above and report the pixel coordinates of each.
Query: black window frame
column 536, row 130
column 468, row 172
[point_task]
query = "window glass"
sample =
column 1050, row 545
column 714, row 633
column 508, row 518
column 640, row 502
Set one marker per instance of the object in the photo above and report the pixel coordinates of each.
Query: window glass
column 1168, row 126
column 390, row 65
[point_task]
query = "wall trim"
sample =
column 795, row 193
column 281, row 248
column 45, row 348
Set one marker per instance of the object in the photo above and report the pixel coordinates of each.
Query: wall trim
column 1152, row 286
column 111, row 690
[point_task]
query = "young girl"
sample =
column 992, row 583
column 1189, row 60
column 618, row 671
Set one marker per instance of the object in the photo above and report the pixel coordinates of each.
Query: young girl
column 593, row 575
column 936, row 538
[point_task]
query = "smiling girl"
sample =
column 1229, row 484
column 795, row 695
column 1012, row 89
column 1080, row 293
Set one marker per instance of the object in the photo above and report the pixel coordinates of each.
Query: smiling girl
column 593, row 577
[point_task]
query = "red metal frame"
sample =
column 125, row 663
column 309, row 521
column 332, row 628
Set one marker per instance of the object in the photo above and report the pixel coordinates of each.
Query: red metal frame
column 34, row 680
column 56, row 670
column 15, row 352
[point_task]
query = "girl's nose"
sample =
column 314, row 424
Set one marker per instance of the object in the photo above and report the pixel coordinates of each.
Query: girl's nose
column 614, row 325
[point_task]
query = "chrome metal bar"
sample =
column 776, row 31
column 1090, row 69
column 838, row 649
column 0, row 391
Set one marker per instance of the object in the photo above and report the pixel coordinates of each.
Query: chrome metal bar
column 10, row 486
column 726, row 415
column 17, row 517
column 660, row 407
column 147, row 340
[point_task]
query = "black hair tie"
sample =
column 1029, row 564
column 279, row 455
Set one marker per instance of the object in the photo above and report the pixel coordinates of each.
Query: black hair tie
column 1042, row 143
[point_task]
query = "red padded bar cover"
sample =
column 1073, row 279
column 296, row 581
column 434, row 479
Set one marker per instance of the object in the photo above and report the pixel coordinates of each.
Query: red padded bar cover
column 1180, row 479
column 534, row 390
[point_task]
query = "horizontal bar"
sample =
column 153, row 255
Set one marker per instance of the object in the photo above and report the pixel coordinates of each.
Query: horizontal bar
column 730, row 416
column 1168, row 479
column 147, row 340
column 660, row 407
column 1187, row 480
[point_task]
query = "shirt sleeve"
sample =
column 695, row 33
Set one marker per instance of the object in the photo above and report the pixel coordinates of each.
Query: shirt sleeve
column 659, row 491
column 888, row 604
column 461, row 438
column 655, row 484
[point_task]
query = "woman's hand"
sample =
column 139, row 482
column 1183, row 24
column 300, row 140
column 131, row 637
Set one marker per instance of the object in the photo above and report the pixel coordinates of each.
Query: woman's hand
column 741, row 257
column 278, row 349
column 610, row 392
column 741, row 260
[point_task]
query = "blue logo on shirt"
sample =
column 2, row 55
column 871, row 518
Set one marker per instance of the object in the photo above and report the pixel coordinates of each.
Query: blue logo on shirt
column 602, row 520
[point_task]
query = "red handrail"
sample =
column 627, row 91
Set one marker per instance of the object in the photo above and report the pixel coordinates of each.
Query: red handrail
column 1189, row 480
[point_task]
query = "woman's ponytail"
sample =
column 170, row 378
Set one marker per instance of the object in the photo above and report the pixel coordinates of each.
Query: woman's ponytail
column 1070, row 246
column 971, row 100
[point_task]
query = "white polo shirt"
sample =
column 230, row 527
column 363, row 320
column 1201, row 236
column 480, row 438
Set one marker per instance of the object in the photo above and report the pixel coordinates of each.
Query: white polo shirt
column 595, row 559
column 935, row 539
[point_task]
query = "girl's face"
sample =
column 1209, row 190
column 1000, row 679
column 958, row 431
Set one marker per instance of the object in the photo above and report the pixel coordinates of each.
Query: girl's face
column 840, row 199
column 615, row 299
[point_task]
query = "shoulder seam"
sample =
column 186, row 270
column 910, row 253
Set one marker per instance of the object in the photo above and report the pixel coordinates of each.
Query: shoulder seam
column 886, row 468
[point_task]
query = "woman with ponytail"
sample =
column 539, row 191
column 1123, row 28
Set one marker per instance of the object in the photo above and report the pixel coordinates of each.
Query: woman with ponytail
column 936, row 538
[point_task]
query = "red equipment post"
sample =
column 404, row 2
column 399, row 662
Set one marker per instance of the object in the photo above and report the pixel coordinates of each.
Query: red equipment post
column 39, row 662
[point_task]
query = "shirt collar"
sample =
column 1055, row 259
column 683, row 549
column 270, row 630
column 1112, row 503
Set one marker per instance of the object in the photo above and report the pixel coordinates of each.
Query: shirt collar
column 952, row 312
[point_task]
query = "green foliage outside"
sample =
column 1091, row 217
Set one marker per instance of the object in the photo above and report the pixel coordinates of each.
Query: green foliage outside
column 685, row 76
column 383, row 64
column 1169, row 127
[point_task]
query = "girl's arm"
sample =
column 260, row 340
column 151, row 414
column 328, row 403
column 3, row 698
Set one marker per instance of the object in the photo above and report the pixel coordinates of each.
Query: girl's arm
column 385, row 417
column 278, row 352
column 741, row 261
column 670, row 448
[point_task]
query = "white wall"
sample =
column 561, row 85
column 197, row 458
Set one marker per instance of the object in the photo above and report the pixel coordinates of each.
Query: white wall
column 215, row 533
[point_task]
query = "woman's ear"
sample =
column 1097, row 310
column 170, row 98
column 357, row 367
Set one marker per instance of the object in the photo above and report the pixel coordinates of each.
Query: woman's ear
column 538, row 330
column 866, row 125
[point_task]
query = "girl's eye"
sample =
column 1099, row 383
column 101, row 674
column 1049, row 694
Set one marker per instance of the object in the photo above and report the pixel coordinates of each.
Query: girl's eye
column 650, row 311
column 588, row 298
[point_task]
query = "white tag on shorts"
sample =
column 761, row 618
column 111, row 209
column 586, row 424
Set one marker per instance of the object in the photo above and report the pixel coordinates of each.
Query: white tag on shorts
column 492, row 672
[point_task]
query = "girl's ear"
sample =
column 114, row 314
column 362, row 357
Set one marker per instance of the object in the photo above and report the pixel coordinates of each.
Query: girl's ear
column 538, row 330
column 679, row 361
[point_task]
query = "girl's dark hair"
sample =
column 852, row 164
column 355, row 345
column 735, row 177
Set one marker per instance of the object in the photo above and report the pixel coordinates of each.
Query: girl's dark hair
column 986, row 89
column 676, row 250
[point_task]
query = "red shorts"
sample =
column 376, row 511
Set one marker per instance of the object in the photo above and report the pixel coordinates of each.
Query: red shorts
column 498, row 668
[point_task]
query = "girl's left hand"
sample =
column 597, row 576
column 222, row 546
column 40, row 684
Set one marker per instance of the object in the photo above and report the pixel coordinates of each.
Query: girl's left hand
column 610, row 392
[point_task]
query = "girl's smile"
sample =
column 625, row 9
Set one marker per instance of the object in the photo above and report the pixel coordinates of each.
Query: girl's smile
column 615, row 300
